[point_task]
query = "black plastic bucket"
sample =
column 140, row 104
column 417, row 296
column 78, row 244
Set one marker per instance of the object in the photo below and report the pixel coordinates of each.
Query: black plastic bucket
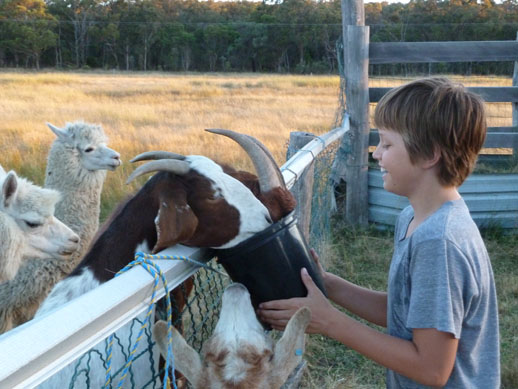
column 269, row 262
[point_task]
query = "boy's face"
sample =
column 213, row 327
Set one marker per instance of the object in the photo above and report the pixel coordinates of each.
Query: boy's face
column 400, row 175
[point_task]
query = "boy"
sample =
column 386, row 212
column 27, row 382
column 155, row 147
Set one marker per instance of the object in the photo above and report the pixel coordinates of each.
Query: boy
column 440, row 309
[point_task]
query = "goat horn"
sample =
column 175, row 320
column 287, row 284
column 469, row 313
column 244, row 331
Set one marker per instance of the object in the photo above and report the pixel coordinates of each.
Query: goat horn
column 168, row 165
column 157, row 155
column 267, row 170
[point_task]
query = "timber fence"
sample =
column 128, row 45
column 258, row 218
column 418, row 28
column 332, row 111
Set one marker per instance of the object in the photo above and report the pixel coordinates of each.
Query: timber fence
column 493, row 200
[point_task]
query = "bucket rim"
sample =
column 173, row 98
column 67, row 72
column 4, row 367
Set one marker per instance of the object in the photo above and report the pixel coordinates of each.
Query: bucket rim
column 258, row 239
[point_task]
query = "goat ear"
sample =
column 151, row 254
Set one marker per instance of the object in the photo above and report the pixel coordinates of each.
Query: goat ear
column 187, row 361
column 289, row 349
column 9, row 189
column 175, row 222
column 60, row 133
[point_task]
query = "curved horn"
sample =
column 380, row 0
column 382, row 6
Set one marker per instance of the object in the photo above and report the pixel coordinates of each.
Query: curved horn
column 267, row 170
column 167, row 165
column 157, row 155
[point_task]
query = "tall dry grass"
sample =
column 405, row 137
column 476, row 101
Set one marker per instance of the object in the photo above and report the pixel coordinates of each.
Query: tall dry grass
column 159, row 111
column 145, row 111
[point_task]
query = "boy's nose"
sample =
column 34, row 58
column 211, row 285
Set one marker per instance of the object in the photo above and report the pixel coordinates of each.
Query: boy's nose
column 375, row 154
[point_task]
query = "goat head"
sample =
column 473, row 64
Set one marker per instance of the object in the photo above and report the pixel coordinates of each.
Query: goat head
column 209, row 205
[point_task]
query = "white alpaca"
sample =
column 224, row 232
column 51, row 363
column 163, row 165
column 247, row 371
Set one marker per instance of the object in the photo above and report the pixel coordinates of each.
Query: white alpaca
column 76, row 167
column 28, row 227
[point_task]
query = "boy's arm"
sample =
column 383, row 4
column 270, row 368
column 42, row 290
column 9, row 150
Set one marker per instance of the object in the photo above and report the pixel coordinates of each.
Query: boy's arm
column 367, row 304
column 428, row 358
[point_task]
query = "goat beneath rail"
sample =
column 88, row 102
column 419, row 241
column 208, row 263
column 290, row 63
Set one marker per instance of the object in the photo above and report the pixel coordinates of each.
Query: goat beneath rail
column 239, row 354
column 192, row 201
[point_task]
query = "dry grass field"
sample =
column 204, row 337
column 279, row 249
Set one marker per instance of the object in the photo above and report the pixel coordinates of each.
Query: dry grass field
column 162, row 111
column 157, row 111
column 146, row 111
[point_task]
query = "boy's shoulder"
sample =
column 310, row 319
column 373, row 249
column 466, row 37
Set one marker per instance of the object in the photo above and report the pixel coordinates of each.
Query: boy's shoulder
column 452, row 222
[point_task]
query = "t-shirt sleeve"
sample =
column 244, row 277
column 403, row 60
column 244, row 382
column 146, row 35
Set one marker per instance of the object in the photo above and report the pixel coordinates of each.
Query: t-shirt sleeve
column 442, row 285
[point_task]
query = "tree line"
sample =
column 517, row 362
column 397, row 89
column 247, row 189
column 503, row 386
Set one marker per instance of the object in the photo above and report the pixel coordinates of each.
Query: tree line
column 292, row 36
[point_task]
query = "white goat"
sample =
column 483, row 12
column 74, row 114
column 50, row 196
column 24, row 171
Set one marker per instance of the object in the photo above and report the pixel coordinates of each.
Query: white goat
column 239, row 355
column 76, row 167
column 28, row 228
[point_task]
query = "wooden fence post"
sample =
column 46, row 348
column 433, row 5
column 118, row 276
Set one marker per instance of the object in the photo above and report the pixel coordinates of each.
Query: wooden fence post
column 303, row 188
column 513, row 104
column 353, row 151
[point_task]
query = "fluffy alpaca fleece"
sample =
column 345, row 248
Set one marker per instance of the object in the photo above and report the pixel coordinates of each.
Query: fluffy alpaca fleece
column 76, row 167
column 28, row 227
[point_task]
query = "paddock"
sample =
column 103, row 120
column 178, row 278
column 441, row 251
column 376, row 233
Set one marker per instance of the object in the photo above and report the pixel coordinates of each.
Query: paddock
column 29, row 358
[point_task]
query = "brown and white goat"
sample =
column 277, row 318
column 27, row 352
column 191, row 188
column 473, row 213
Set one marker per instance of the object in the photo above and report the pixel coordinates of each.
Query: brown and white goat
column 239, row 354
column 192, row 201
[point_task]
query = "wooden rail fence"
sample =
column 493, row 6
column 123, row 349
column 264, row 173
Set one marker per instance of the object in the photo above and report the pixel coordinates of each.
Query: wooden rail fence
column 352, row 164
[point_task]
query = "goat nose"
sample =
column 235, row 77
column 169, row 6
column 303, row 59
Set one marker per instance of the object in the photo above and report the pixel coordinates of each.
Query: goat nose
column 74, row 239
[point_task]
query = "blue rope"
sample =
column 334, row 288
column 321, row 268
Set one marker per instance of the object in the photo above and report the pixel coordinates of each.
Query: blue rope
column 145, row 260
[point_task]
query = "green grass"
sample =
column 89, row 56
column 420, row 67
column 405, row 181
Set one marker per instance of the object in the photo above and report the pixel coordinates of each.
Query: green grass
column 363, row 257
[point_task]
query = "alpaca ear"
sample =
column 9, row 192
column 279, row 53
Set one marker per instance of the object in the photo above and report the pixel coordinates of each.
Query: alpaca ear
column 290, row 348
column 9, row 189
column 175, row 222
column 60, row 133
column 186, row 360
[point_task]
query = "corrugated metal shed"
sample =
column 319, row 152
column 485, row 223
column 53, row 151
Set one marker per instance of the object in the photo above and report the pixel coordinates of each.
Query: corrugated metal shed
column 491, row 198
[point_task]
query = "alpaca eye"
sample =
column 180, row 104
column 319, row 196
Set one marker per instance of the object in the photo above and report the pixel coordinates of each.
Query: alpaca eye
column 31, row 224
column 89, row 149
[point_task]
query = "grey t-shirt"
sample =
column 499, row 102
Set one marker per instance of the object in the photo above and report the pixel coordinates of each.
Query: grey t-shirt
column 441, row 277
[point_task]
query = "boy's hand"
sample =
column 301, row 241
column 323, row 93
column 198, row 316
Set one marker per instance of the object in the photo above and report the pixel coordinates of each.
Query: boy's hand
column 320, row 269
column 277, row 313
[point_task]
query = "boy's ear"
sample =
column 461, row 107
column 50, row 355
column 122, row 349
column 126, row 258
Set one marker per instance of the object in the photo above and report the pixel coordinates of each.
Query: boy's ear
column 431, row 162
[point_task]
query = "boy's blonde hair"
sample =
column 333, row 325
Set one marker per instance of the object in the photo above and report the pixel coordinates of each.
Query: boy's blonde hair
column 436, row 114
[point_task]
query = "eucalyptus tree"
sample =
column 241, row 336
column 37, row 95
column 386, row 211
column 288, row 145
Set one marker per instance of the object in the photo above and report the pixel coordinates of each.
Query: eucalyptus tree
column 26, row 30
column 81, row 15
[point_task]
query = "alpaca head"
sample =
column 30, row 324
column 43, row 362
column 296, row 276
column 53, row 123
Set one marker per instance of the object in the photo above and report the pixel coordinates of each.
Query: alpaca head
column 30, row 209
column 239, row 353
column 88, row 143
